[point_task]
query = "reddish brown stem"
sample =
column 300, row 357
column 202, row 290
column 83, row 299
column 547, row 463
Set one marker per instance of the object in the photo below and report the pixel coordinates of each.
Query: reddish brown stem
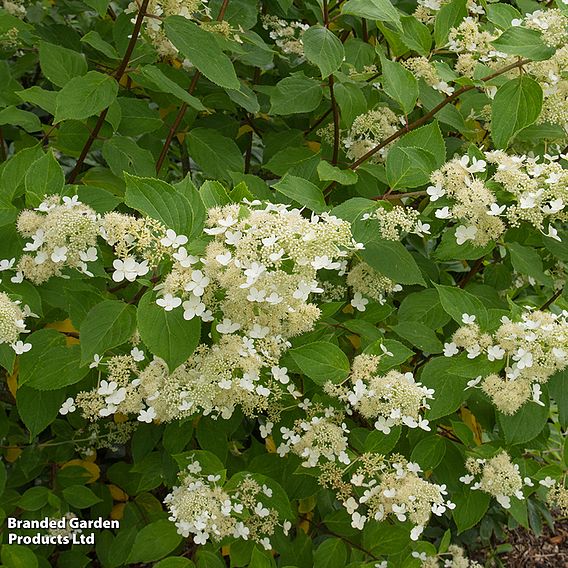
column 424, row 119
column 183, row 108
column 118, row 76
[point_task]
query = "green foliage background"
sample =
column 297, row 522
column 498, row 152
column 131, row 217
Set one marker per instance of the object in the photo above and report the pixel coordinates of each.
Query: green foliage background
column 90, row 107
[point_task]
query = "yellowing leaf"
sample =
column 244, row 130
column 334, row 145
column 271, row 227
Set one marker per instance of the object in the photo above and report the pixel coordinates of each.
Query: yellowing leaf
column 65, row 326
column 117, row 511
column 270, row 445
column 120, row 418
column 92, row 468
column 305, row 523
column 225, row 550
column 313, row 146
column 12, row 380
column 12, row 454
column 355, row 340
column 471, row 422
column 117, row 493
column 243, row 130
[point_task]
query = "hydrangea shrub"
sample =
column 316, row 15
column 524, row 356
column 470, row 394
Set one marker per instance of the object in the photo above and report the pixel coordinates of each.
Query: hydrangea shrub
column 282, row 281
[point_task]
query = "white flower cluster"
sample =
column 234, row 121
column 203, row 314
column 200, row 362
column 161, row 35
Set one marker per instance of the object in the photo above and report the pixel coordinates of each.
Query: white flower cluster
column 202, row 508
column 368, row 130
column 254, row 283
column 382, row 488
column 390, row 400
column 426, row 10
column 533, row 192
column 12, row 323
column 286, row 35
column 366, row 282
column 453, row 558
column 395, row 222
column 497, row 476
column 157, row 11
column 532, row 350
column 473, row 45
column 423, row 68
column 139, row 243
column 63, row 233
column 317, row 439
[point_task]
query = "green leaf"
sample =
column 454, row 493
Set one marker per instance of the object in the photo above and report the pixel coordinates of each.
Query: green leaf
column 38, row 408
column 80, row 497
column 399, row 84
column 12, row 178
column 217, row 155
column 302, row 191
column 137, row 117
column 457, row 302
column 178, row 209
column 107, row 325
column 471, row 506
column 213, row 194
column 203, row 50
column 502, row 15
column 331, row 553
column 327, row 172
column 321, row 361
column 50, row 365
column 94, row 39
column 123, row 155
column 17, row 117
column 429, row 452
column 18, row 556
column 415, row 35
column 85, row 96
column 448, row 17
column 409, row 167
column 39, row 97
column 45, row 177
column 380, row 443
column 524, row 42
column 393, row 260
column 382, row 538
column 558, row 387
column 516, row 105
column 154, row 541
column 448, row 376
column 527, row 423
column 175, row 562
column 165, row 85
column 323, row 48
column 60, row 64
column 351, row 101
column 381, row 10
column 167, row 334
column 526, row 260
column 423, row 307
column 419, row 335
column 295, row 94
column 34, row 498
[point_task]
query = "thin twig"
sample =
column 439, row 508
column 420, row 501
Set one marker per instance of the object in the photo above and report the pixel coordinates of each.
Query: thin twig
column 334, row 106
column 318, row 121
column 183, row 108
column 422, row 120
column 118, row 76
column 472, row 272
column 552, row 299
